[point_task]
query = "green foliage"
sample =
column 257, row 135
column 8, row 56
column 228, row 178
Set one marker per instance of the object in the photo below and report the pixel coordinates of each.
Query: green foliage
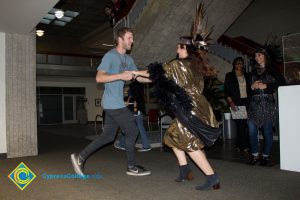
column 275, row 52
column 214, row 93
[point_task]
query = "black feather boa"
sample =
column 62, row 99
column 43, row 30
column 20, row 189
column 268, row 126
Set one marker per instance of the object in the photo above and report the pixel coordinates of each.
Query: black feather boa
column 166, row 90
column 174, row 99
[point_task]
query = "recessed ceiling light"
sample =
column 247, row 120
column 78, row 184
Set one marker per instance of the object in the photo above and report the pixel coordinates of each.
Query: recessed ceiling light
column 40, row 33
column 59, row 14
column 59, row 17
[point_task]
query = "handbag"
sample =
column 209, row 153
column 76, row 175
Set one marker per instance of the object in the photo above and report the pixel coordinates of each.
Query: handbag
column 240, row 113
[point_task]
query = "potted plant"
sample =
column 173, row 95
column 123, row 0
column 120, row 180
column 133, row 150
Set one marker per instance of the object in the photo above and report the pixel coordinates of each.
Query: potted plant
column 214, row 93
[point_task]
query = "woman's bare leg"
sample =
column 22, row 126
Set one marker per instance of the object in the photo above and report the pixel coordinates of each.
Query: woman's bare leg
column 180, row 156
column 200, row 159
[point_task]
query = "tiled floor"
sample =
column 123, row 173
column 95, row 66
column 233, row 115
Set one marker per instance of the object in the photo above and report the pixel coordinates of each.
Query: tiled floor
column 222, row 150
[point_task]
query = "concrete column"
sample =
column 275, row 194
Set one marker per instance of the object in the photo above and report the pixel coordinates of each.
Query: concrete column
column 21, row 119
column 3, row 148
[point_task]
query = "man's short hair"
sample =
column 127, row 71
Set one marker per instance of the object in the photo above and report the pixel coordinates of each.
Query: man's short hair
column 120, row 33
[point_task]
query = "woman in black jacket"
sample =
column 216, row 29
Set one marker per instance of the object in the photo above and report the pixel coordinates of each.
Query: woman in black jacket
column 237, row 90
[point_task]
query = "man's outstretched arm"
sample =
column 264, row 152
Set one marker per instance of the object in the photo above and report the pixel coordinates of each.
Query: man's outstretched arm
column 103, row 77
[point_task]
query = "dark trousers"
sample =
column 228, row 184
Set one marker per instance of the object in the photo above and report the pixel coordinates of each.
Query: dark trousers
column 242, row 137
column 115, row 118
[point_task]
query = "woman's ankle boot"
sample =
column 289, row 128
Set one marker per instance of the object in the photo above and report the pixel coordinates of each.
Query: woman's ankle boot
column 185, row 173
column 253, row 160
column 265, row 161
column 212, row 182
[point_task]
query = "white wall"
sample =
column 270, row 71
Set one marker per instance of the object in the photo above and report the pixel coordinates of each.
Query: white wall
column 289, row 118
column 3, row 148
column 92, row 91
column 264, row 17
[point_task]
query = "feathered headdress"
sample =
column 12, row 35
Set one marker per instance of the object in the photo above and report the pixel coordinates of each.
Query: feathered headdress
column 200, row 35
column 200, row 30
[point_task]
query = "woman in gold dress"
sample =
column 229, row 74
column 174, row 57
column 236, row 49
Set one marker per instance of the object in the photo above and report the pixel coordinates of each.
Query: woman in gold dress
column 186, row 73
column 179, row 85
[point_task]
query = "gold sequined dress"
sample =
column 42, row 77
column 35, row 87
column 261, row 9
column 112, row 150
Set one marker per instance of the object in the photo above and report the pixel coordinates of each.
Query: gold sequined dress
column 191, row 80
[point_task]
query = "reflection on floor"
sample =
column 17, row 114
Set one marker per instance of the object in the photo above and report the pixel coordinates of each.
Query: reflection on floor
column 222, row 150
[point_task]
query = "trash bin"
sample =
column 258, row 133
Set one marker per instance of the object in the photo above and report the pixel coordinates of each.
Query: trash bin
column 229, row 128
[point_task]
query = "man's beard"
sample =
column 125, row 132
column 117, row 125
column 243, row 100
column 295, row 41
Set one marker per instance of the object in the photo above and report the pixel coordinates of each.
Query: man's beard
column 127, row 47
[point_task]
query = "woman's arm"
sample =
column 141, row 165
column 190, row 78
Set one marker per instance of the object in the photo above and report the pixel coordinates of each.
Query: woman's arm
column 143, row 73
column 142, row 76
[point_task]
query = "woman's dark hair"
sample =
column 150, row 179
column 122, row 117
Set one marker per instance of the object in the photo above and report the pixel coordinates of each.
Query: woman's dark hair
column 238, row 59
column 265, row 53
column 194, row 54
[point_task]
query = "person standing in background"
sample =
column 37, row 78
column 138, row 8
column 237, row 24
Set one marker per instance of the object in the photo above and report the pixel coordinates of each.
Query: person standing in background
column 263, row 113
column 237, row 91
column 134, row 101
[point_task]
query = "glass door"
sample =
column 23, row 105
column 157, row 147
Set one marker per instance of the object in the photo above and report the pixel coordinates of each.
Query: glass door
column 69, row 109
column 49, row 109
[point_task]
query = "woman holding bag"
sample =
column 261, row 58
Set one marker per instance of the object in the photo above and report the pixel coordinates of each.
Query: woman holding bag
column 237, row 91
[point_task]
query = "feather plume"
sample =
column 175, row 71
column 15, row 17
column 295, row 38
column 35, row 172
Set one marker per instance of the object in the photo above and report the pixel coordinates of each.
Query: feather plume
column 200, row 28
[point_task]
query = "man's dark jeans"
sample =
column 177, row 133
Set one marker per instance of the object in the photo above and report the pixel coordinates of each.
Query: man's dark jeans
column 115, row 118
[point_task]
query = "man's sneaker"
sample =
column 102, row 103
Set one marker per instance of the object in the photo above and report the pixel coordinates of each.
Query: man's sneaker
column 144, row 149
column 137, row 171
column 117, row 145
column 77, row 164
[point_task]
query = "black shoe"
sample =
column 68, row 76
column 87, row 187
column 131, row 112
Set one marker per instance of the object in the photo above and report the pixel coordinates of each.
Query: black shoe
column 77, row 164
column 137, row 171
column 212, row 182
column 185, row 173
column 253, row 160
column 246, row 151
column 265, row 162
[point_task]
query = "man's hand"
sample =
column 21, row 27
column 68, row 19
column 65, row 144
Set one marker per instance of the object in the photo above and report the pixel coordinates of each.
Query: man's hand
column 126, row 75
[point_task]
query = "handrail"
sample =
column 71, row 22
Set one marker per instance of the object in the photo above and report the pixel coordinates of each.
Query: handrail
column 241, row 44
column 230, row 48
column 228, row 53
column 133, row 15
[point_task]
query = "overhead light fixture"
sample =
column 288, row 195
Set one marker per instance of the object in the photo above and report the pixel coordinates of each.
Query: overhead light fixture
column 40, row 33
column 59, row 14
